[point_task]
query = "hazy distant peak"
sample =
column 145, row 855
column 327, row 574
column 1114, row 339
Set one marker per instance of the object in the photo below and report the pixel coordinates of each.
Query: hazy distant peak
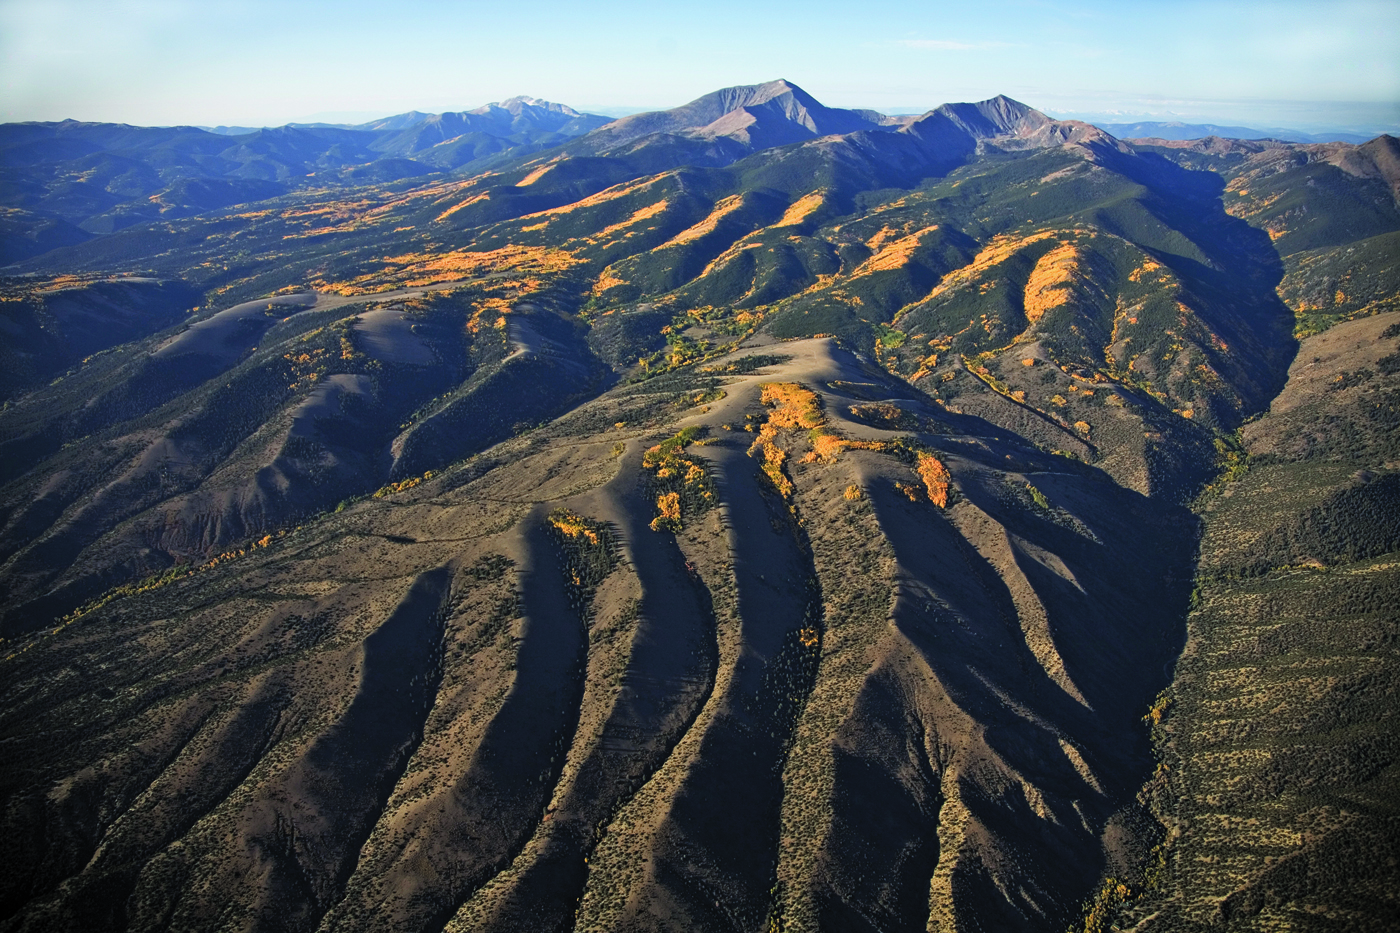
column 516, row 105
column 1176, row 130
column 505, row 116
column 398, row 121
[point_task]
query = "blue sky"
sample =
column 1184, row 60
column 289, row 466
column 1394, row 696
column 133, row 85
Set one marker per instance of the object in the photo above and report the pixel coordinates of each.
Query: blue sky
column 249, row 62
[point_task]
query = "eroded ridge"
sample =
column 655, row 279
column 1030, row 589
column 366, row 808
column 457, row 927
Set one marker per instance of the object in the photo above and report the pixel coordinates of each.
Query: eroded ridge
column 784, row 645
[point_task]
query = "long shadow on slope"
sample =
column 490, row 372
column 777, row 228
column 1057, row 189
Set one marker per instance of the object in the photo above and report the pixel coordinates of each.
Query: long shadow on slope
column 243, row 454
column 65, row 821
column 92, row 401
column 668, row 678
column 882, row 846
column 212, row 477
column 500, row 798
column 715, row 855
column 551, row 369
column 341, row 785
column 97, row 898
column 1115, row 629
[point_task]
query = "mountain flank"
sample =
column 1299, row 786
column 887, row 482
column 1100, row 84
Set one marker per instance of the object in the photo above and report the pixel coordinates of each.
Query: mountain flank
column 752, row 516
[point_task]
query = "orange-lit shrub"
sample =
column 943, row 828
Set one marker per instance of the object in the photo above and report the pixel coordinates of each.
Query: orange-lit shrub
column 936, row 478
column 682, row 483
column 668, row 507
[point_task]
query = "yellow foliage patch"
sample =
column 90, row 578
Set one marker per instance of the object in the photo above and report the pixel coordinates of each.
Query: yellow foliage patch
column 771, row 459
column 721, row 210
column 1146, row 267
column 572, row 526
column 1001, row 248
column 609, row 279
column 730, row 253
column 668, row 507
column 645, row 213
column 881, row 236
column 800, row 209
column 895, row 255
column 685, row 486
column 507, row 258
column 535, row 176
column 1051, row 281
column 936, row 479
column 793, row 405
column 602, row 197
column 400, row 486
column 474, row 199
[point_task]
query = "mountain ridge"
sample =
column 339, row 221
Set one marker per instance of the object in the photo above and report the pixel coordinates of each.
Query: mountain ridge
column 1178, row 130
column 697, row 533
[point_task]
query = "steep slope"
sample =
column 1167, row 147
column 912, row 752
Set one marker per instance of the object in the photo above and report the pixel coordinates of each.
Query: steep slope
column 606, row 680
column 1278, row 735
column 1096, row 301
column 1331, row 211
column 889, row 589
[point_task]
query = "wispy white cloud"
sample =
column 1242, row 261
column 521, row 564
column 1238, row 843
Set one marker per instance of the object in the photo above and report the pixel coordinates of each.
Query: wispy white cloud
column 950, row 45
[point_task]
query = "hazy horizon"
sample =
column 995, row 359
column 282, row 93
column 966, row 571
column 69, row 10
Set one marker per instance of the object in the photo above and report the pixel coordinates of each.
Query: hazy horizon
column 1298, row 65
column 1364, row 119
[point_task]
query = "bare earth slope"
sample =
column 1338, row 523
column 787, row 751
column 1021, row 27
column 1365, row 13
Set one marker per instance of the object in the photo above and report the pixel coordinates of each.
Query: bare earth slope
column 753, row 516
column 855, row 689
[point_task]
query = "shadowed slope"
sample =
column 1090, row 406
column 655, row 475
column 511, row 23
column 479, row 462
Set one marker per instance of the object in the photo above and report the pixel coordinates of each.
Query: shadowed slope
column 697, row 737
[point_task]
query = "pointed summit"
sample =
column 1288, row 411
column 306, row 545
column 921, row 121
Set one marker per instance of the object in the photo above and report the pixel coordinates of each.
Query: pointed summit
column 524, row 103
column 999, row 116
column 1004, row 123
column 757, row 116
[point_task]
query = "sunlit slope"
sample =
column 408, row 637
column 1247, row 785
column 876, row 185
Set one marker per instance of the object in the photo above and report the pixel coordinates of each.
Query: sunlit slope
column 828, row 655
column 1097, row 301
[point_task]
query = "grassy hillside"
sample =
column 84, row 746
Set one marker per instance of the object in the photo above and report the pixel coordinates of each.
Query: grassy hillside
column 1277, row 787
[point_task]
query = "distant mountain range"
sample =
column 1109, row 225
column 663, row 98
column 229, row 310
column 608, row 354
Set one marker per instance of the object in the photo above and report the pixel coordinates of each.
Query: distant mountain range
column 752, row 515
column 63, row 183
column 66, row 182
column 1176, row 130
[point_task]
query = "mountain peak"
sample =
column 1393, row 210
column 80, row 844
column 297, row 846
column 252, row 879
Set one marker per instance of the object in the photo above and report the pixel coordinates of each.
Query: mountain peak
column 757, row 116
column 517, row 104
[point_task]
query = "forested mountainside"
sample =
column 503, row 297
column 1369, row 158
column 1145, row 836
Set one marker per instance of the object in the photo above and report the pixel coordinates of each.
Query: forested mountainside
column 65, row 183
column 753, row 515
